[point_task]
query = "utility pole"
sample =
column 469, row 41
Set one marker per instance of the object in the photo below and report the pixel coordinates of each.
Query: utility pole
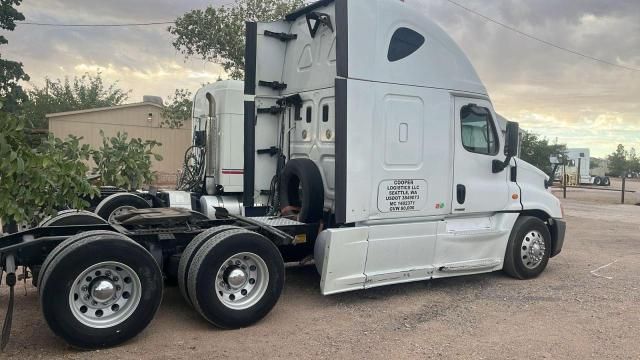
column 624, row 180
column 564, row 178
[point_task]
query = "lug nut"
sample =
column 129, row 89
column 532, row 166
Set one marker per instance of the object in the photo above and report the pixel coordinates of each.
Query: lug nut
column 85, row 288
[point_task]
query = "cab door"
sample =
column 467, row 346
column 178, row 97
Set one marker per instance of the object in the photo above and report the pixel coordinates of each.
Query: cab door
column 478, row 142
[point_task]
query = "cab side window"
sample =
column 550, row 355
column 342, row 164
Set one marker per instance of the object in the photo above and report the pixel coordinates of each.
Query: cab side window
column 479, row 133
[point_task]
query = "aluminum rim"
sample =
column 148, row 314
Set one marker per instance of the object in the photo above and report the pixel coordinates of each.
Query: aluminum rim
column 242, row 281
column 105, row 294
column 119, row 211
column 532, row 249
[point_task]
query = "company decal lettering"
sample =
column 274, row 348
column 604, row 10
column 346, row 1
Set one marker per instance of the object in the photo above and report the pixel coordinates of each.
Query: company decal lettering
column 402, row 195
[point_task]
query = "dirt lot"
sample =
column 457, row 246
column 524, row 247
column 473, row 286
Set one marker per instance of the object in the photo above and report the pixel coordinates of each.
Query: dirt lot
column 586, row 305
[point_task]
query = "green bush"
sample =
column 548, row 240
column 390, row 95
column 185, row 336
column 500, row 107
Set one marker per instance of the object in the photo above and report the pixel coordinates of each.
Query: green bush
column 125, row 162
column 36, row 182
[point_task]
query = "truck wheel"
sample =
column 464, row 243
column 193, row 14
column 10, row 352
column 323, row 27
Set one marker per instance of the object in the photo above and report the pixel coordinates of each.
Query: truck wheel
column 606, row 181
column 65, row 217
column 247, row 271
column 72, row 217
column 116, row 204
column 528, row 249
column 100, row 289
column 187, row 255
column 301, row 188
column 598, row 181
column 63, row 245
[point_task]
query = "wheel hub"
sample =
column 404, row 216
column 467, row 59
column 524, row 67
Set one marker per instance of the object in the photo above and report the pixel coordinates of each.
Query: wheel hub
column 119, row 211
column 241, row 281
column 236, row 278
column 536, row 250
column 105, row 294
column 103, row 290
column 532, row 249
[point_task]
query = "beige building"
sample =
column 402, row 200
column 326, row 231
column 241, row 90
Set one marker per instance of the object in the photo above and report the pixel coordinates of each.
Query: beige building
column 139, row 120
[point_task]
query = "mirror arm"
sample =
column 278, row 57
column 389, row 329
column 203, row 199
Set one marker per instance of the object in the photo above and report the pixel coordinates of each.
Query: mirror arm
column 498, row 166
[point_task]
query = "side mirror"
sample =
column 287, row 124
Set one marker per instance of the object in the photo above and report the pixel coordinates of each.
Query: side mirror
column 510, row 148
column 512, row 139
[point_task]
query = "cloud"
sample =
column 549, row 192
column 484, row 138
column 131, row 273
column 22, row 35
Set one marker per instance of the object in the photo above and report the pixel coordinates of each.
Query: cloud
column 139, row 58
column 109, row 70
column 554, row 93
column 559, row 95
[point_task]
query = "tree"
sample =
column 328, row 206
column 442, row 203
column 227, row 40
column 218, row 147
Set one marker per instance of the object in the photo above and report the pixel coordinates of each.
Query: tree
column 217, row 34
column 37, row 182
column 633, row 161
column 178, row 109
column 12, row 96
column 34, row 181
column 618, row 164
column 125, row 162
column 537, row 151
column 85, row 92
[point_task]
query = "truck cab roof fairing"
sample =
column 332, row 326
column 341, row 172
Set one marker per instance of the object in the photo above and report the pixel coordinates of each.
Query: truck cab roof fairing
column 438, row 63
column 371, row 24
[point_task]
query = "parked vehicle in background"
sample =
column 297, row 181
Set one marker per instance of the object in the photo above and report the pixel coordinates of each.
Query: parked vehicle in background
column 578, row 169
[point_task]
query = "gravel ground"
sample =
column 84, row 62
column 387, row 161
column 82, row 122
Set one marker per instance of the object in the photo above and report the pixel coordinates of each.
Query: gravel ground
column 585, row 305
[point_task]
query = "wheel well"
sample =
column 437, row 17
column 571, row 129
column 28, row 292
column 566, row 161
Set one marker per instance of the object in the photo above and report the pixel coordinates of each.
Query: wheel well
column 538, row 214
column 542, row 216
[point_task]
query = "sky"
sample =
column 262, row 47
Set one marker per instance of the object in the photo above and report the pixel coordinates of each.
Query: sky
column 558, row 95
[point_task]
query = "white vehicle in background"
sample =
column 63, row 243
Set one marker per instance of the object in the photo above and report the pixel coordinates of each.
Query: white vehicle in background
column 368, row 142
column 578, row 165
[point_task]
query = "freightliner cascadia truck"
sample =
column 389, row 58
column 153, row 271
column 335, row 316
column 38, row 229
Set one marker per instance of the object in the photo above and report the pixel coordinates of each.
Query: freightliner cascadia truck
column 368, row 143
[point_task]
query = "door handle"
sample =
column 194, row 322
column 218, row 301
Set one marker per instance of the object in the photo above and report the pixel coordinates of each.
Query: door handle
column 461, row 193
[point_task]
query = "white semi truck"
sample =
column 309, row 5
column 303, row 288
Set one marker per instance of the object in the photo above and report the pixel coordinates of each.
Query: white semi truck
column 368, row 142
column 578, row 163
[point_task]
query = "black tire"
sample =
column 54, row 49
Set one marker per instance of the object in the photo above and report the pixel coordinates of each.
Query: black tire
column 116, row 201
column 209, row 260
column 302, row 177
column 76, row 255
column 187, row 256
column 521, row 234
column 598, row 181
column 63, row 245
column 72, row 217
column 64, row 218
column 606, row 181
